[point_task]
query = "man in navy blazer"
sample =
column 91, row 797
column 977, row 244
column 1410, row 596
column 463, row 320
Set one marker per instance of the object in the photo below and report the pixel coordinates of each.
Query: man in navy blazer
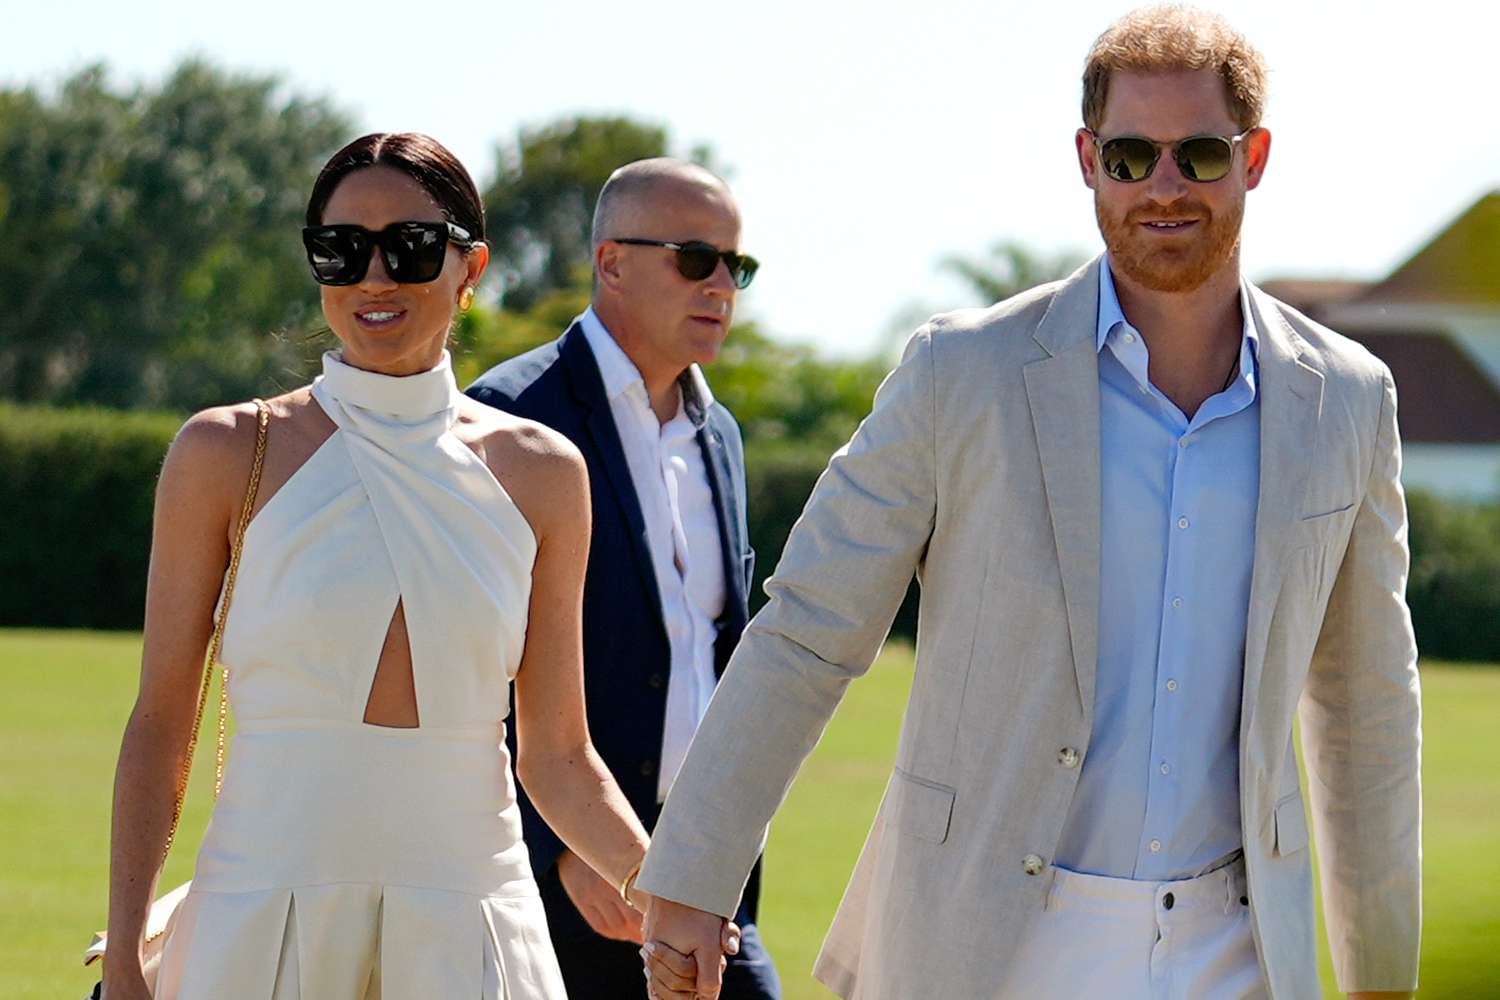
column 665, row 597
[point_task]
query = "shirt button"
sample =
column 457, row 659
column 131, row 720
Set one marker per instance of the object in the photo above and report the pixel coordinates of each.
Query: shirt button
column 1176, row 602
column 1182, row 522
column 1067, row 757
column 1168, row 901
column 1130, row 338
column 1165, row 768
column 1171, row 685
column 1155, row 847
column 648, row 767
column 1032, row 864
column 657, row 681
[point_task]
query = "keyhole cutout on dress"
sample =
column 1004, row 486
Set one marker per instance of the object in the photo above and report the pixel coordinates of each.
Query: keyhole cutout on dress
column 393, row 692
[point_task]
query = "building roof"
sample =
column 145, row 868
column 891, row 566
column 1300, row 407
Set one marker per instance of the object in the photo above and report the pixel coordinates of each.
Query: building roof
column 1442, row 396
column 1310, row 296
column 1446, row 395
column 1460, row 266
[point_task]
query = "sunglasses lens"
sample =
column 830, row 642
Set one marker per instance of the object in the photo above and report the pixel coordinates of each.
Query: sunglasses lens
column 1204, row 158
column 337, row 256
column 414, row 253
column 696, row 261
column 744, row 271
column 1128, row 158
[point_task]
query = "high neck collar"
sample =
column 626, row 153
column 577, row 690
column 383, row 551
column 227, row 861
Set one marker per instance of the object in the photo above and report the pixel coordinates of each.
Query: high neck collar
column 411, row 396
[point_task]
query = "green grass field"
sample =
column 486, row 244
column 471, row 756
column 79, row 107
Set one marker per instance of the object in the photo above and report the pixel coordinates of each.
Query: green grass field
column 67, row 695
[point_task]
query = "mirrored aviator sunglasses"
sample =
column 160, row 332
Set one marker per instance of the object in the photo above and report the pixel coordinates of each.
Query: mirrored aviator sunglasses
column 412, row 252
column 697, row 260
column 1201, row 158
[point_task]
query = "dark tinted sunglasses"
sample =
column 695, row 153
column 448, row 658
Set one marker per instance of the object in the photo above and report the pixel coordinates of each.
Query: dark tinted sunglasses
column 1202, row 158
column 412, row 252
column 697, row 260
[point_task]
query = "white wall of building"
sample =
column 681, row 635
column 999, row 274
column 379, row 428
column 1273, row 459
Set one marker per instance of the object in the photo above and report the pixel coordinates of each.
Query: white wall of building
column 1456, row 471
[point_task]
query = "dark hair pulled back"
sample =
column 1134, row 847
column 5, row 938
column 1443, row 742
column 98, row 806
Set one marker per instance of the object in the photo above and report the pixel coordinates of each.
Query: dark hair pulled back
column 420, row 157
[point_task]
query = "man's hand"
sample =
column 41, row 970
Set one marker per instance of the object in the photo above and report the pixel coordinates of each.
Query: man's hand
column 685, row 950
column 597, row 900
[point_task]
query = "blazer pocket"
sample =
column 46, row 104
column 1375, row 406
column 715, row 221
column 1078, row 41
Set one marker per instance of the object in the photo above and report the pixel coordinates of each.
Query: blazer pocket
column 923, row 808
column 1291, row 825
column 1326, row 513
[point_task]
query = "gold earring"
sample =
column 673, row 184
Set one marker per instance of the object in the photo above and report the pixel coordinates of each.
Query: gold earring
column 466, row 298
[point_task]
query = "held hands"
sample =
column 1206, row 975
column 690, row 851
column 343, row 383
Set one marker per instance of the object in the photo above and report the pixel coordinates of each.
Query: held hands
column 598, row 900
column 685, row 950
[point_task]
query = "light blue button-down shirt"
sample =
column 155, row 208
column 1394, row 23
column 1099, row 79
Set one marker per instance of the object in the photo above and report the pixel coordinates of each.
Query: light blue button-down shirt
column 1158, row 796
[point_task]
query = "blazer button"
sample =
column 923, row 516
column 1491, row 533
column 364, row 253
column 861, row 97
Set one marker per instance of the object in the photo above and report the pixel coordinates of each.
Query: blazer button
column 1032, row 865
column 1067, row 757
column 648, row 767
column 657, row 681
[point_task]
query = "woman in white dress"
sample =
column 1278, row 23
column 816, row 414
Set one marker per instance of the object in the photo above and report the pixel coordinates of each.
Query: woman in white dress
column 411, row 552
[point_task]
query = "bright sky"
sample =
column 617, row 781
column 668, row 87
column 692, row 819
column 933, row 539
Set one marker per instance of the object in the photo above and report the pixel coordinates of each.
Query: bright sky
column 867, row 142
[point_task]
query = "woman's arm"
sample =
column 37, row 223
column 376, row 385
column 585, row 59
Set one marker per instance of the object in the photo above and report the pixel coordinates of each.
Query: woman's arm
column 566, row 779
column 189, row 553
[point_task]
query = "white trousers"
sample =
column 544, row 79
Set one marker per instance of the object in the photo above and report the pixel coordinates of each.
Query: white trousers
column 1129, row 940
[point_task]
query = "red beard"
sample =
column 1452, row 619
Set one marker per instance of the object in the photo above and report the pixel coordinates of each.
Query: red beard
column 1171, row 264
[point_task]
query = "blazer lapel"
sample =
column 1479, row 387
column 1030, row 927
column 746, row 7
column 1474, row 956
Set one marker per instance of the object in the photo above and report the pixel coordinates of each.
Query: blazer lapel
column 731, row 545
column 1291, row 396
column 588, row 390
column 1063, row 391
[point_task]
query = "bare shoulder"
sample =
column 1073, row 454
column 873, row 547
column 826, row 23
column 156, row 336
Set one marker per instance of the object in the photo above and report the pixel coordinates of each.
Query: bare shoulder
column 541, row 469
column 214, row 452
column 212, row 438
column 206, row 467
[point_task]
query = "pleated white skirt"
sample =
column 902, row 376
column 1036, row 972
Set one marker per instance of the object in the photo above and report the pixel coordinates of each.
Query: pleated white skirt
column 355, row 862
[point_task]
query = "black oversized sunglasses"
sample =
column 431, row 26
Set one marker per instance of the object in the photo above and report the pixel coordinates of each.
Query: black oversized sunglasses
column 1201, row 158
column 697, row 260
column 412, row 252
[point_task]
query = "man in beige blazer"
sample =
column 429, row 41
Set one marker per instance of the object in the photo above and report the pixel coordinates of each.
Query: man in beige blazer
column 1153, row 511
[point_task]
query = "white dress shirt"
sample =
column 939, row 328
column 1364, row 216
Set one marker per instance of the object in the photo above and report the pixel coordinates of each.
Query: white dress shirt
column 682, row 527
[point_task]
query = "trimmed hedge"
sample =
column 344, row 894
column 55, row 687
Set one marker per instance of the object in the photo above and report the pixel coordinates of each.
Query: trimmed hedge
column 77, row 486
column 780, row 476
column 1454, row 590
column 76, row 493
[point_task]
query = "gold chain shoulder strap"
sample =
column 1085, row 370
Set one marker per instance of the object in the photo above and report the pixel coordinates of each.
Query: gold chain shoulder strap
column 215, row 645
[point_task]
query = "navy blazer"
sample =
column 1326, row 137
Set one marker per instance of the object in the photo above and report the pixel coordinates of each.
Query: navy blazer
column 626, row 653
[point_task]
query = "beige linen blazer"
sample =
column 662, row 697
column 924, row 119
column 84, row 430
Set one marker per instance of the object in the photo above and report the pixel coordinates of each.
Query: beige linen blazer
column 978, row 470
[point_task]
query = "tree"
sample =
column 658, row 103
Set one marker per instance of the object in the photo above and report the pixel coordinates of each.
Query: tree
column 540, row 206
column 1010, row 268
column 783, row 392
column 485, row 335
column 150, row 255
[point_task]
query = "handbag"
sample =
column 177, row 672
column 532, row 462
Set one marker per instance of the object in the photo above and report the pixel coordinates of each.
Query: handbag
column 160, row 917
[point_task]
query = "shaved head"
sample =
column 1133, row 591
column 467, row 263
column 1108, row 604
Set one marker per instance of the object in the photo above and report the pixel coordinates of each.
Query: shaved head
column 635, row 193
column 664, row 319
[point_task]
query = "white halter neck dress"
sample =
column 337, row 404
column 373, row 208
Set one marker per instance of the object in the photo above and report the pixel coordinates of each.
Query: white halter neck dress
column 347, row 861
